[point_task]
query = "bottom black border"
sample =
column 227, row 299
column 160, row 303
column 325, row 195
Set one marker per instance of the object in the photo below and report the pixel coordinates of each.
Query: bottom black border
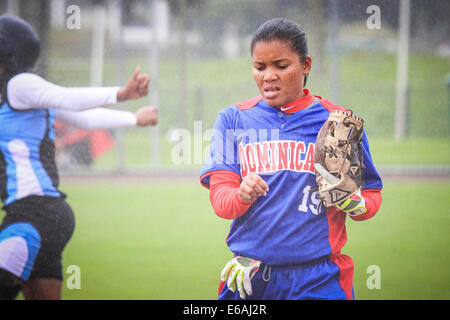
column 211, row 309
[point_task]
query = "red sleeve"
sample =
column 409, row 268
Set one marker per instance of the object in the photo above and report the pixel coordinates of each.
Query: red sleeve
column 224, row 197
column 373, row 203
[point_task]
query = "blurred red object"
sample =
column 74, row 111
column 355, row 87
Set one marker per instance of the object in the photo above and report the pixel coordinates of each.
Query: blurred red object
column 83, row 146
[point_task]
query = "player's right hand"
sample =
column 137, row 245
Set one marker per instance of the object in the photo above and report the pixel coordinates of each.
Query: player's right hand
column 240, row 271
column 252, row 187
column 147, row 116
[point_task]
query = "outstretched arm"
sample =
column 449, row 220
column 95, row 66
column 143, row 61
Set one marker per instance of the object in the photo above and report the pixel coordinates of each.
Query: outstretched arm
column 101, row 118
column 29, row 91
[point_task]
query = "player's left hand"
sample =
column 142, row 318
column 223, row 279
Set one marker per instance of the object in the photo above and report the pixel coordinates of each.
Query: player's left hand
column 354, row 206
column 146, row 116
column 240, row 271
column 137, row 87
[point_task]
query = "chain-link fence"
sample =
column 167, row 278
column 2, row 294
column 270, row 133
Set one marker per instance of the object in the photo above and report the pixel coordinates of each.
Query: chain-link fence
column 197, row 53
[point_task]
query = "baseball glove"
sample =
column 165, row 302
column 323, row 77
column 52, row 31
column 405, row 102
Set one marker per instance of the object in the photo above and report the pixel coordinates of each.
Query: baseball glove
column 338, row 159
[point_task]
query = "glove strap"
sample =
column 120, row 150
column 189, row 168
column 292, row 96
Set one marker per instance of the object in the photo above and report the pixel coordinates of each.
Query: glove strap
column 354, row 206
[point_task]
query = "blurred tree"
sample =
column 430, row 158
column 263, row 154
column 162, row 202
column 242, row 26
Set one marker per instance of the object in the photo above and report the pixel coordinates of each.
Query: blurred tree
column 430, row 17
column 37, row 13
column 317, row 34
column 180, row 10
column 177, row 6
column 245, row 16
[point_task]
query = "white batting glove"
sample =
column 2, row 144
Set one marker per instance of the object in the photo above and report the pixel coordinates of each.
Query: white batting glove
column 240, row 271
column 354, row 206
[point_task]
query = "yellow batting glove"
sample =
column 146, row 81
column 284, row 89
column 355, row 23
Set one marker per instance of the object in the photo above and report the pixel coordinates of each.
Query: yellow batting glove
column 354, row 206
column 240, row 271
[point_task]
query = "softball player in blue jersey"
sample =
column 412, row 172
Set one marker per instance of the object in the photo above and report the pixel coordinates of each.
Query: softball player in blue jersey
column 260, row 174
column 39, row 222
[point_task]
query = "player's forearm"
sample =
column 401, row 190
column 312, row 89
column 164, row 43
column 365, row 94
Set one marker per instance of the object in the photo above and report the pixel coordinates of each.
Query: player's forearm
column 226, row 203
column 99, row 118
column 224, row 196
column 373, row 203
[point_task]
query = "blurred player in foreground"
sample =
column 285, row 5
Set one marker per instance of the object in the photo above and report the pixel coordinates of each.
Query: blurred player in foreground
column 39, row 222
column 260, row 173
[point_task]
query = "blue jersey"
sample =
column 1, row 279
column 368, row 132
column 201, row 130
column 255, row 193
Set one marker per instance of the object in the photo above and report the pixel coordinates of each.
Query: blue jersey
column 27, row 154
column 285, row 226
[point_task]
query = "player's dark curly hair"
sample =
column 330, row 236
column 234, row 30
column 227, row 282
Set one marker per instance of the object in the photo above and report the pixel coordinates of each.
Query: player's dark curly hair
column 283, row 29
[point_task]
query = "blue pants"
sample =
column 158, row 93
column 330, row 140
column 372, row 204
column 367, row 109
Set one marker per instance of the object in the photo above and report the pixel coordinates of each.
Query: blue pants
column 329, row 279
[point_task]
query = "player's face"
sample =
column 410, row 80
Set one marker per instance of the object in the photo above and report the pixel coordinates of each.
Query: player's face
column 279, row 72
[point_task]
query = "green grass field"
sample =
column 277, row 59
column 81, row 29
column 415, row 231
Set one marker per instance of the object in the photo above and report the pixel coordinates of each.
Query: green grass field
column 163, row 241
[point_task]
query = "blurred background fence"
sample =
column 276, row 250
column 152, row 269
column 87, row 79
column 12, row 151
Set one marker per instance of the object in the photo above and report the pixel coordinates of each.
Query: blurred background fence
column 389, row 61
